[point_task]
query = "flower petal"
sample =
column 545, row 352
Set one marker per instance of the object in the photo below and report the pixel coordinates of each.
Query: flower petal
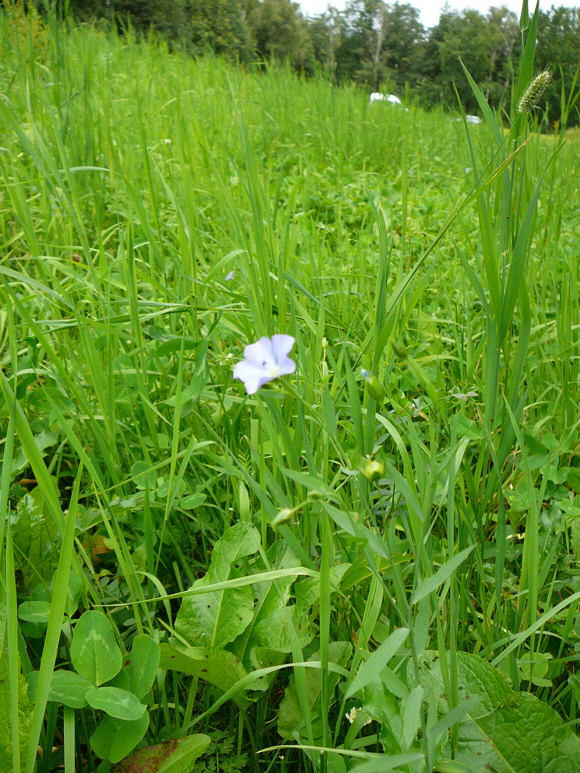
column 252, row 375
column 282, row 346
column 286, row 366
column 260, row 353
column 264, row 361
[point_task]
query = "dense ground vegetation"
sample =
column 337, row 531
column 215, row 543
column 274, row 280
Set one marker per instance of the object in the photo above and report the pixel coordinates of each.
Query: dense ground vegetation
column 381, row 46
column 370, row 563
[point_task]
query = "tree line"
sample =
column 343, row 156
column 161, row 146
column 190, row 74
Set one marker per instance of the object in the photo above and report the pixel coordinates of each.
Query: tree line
column 381, row 46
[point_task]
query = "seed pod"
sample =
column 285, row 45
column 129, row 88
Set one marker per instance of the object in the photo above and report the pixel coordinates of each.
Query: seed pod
column 374, row 387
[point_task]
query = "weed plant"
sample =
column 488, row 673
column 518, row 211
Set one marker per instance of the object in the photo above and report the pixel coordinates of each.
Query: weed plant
column 367, row 565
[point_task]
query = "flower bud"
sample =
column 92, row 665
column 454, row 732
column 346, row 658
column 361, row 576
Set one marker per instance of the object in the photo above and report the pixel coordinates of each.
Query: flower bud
column 282, row 517
column 399, row 350
column 374, row 388
column 373, row 469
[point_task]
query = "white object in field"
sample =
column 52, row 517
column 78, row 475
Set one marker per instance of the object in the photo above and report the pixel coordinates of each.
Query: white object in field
column 473, row 119
column 378, row 97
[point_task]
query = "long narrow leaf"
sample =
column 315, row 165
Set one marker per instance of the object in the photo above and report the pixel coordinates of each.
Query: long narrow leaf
column 53, row 631
column 378, row 660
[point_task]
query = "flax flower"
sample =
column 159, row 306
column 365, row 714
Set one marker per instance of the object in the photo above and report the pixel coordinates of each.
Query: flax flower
column 264, row 361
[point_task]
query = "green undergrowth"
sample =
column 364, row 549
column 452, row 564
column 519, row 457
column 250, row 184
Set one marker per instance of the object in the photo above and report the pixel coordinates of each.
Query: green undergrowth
column 369, row 564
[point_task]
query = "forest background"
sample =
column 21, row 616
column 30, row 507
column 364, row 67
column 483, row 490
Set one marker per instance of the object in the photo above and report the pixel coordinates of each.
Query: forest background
column 381, row 46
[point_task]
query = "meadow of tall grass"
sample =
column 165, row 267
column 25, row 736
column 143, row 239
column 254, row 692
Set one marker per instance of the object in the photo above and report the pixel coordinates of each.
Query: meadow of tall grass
column 368, row 564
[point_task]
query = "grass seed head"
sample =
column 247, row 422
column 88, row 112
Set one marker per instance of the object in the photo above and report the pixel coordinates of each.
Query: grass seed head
column 532, row 95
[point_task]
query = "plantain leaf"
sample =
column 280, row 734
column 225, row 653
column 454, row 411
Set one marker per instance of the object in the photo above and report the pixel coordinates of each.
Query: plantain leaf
column 215, row 666
column 24, row 715
column 175, row 756
column 216, row 618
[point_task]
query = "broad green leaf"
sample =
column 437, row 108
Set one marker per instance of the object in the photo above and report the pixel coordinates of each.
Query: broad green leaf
column 175, row 756
column 274, row 623
column 114, row 739
column 237, row 542
column 191, row 501
column 115, row 702
column 371, row 669
column 34, row 611
column 42, row 441
column 544, row 741
column 176, row 487
column 34, row 534
column 276, row 630
column 218, row 667
column 66, row 687
column 443, row 573
column 273, row 595
column 216, row 618
column 466, row 427
column 94, row 651
column 264, row 657
column 384, row 707
column 335, row 763
column 307, row 591
column 505, row 730
column 24, row 716
column 121, row 680
column 175, row 344
column 143, row 475
column 143, row 664
column 534, row 667
column 287, row 625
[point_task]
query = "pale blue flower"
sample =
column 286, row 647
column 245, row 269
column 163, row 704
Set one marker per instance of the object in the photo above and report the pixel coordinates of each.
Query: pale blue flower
column 230, row 276
column 264, row 361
